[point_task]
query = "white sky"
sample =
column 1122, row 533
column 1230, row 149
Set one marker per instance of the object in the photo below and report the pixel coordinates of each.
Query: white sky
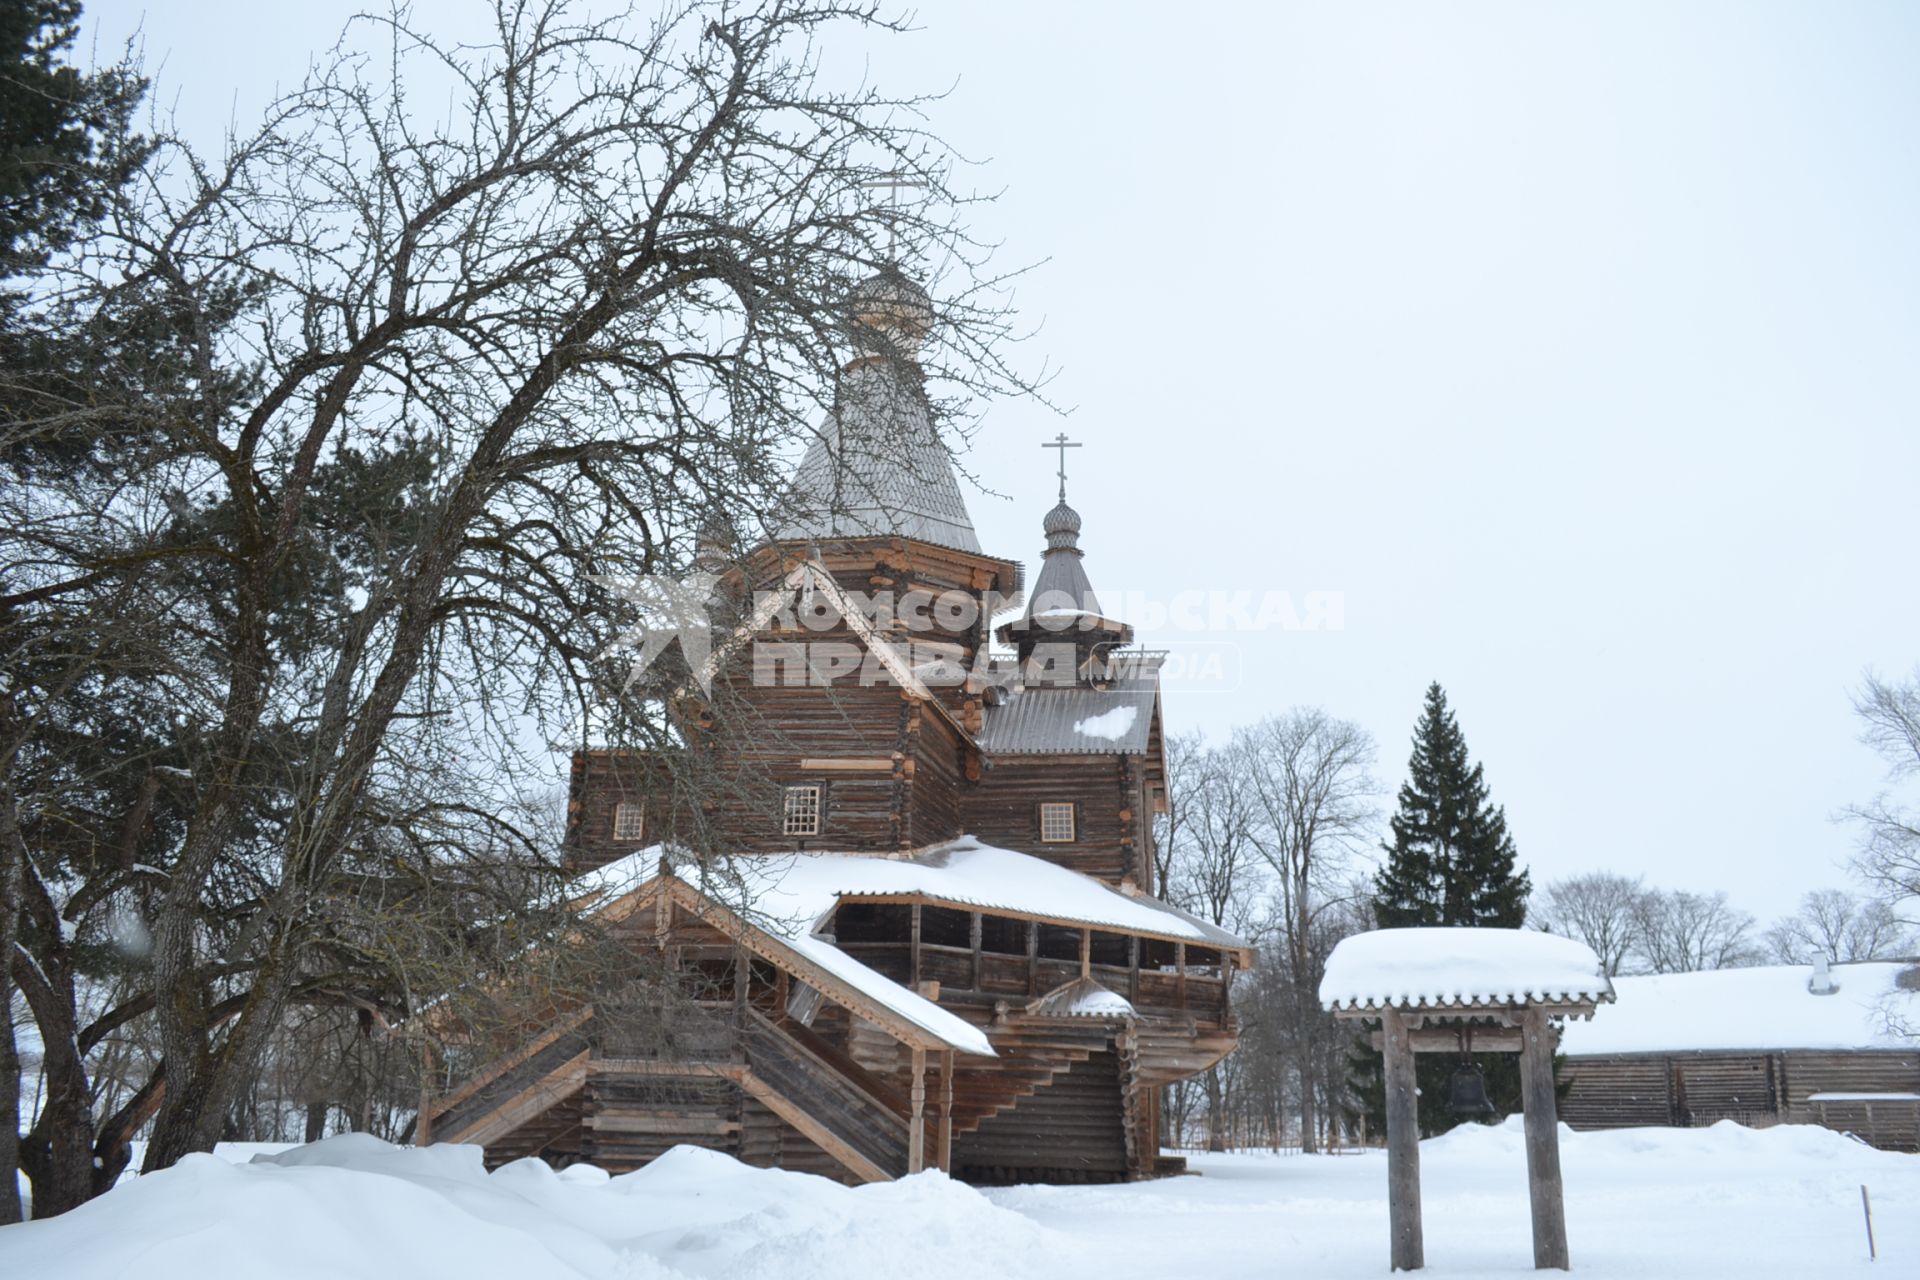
column 1574, row 344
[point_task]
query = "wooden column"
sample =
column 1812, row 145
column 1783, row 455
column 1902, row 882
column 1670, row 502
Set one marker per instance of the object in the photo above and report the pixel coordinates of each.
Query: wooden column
column 915, row 947
column 1543, row 1142
column 1180, row 971
column 946, row 1112
column 917, row 1122
column 1086, row 953
column 1133, row 968
column 973, row 937
column 1403, row 1142
column 423, row 1126
column 1033, row 957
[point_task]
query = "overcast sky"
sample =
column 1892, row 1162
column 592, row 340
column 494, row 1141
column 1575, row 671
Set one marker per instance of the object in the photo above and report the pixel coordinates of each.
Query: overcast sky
column 1575, row 345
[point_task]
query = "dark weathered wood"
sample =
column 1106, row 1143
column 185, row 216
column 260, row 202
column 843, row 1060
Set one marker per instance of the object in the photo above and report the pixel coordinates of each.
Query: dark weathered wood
column 1408, row 1250
column 1543, row 1143
column 1447, row 1040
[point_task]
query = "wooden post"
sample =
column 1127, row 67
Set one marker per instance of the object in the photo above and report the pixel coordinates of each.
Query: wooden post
column 1180, row 970
column 1086, row 953
column 423, row 1126
column 1543, row 1142
column 973, row 937
column 1133, row 968
column 1403, row 1142
column 946, row 1111
column 917, row 1122
column 1033, row 957
column 914, row 961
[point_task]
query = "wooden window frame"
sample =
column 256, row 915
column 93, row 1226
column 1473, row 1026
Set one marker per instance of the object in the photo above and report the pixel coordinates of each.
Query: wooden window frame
column 804, row 819
column 623, row 810
column 1073, row 821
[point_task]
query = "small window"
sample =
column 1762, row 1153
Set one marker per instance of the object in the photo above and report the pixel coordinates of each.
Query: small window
column 629, row 823
column 1056, row 823
column 801, row 813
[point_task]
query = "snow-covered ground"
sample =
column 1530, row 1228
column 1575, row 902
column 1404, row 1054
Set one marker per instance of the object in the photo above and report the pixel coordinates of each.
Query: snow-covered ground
column 1723, row 1202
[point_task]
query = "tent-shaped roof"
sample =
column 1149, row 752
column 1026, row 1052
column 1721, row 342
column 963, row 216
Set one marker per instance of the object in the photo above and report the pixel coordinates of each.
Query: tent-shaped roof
column 877, row 467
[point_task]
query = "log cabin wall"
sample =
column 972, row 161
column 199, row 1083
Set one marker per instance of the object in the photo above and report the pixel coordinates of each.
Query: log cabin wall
column 1755, row 1088
column 1072, row 1130
column 1003, row 809
column 601, row 781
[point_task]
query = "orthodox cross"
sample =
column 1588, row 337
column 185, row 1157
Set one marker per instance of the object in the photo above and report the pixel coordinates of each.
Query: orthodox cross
column 1063, row 444
column 894, row 182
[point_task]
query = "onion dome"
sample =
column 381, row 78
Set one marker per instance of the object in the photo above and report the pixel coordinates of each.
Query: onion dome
column 891, row 312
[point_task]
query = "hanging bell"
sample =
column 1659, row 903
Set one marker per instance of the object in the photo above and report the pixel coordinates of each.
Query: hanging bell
column 1468, row 1094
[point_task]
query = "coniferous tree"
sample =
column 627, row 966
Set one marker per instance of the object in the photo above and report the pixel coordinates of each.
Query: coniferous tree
column 1451, row 862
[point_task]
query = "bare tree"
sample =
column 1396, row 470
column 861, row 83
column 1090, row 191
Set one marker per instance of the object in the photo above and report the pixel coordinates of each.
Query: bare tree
column 1681, row 932
column 1601, row 909
column 1310, row 778
column 1840, row 926
column 290, row 587
column 1889, row 856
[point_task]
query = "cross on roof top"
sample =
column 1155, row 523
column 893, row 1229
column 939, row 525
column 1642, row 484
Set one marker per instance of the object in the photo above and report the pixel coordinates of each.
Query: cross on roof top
column 894, row 182
column 1063, row 444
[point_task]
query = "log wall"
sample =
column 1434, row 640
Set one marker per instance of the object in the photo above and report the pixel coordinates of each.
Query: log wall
column 1755, row 1088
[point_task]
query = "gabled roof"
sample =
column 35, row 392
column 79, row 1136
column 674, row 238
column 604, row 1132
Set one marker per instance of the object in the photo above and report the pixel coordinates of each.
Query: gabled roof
column 1444, row 969
column 1764, row 1008
column 839, row 976
column 1082, row 998
column 877, row 467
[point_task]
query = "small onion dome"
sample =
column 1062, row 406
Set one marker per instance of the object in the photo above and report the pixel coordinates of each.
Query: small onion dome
column 894, row 308
column 1062, row 526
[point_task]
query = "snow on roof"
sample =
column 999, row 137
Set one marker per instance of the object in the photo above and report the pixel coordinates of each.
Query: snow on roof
column 793, row 895
column 1423, row 968
column 1082, row 998
column 618, row 878
column 1076, row 720
column 1762, row 1008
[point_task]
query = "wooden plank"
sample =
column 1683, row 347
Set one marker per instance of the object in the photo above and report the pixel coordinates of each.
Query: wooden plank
column 523, row 1106
column 945, row 1150
column 1544, row 1189
column 1444, row 1040
column 500, row 1066
column 849, row 764
column 917, row 1119
column 814, row 1132
column 701, row 1126
column 1408, row 1251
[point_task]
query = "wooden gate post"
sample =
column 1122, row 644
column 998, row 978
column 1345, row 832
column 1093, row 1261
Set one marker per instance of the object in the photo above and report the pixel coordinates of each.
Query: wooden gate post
column 1543, row 1142
column 1403, row 1141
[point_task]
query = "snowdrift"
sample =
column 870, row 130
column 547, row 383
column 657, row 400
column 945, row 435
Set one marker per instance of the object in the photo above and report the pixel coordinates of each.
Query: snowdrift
column 1643, row 1204
column 354, row 1206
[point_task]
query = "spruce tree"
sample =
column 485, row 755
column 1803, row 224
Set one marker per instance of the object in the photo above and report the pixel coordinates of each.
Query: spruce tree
column 1451, row 862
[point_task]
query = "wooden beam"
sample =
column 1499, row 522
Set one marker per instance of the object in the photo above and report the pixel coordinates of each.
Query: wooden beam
column 1086, row 953
column 500, row 1066
column 1133, row 969
column 815, row 1132
column 1033, row 958
column 946, row 1112
column 917, row 1120
column 850, row 764
column 1180, row 967
column 973, row 935
column 1447, row 1040
column 525, row 1105
column 1544, row 1188
column 913, row 950
column 1407, row 1251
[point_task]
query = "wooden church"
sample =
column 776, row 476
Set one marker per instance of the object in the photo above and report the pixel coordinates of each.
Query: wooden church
column 924, row 939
